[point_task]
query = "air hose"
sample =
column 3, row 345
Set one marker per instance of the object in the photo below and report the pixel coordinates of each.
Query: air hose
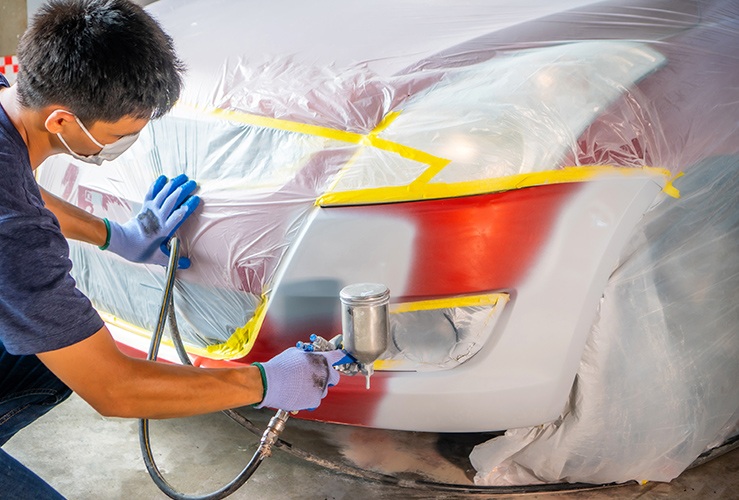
column 269, row 437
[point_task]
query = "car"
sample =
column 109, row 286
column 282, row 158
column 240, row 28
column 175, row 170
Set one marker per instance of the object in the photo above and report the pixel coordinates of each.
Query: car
column 490, row 163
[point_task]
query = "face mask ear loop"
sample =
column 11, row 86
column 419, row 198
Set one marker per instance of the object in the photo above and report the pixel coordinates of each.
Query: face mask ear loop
column 59, row 135
column 84, row 129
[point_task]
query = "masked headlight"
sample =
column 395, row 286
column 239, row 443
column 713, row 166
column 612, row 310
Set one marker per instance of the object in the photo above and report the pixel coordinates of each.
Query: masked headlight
column 440, row 334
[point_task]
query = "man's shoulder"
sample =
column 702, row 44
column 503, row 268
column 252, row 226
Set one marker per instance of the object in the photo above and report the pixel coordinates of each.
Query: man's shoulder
column 11, row 142
column 19, row 193
column 10, row 150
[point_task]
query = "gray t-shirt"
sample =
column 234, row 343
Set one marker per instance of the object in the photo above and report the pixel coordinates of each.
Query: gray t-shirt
column 40, row 306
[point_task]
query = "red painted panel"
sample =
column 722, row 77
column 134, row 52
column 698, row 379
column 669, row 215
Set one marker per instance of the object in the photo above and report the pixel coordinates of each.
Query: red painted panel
column 478, row 243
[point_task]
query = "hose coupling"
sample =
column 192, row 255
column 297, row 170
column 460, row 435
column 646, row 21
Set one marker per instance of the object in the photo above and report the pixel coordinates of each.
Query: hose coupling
column 272, row 432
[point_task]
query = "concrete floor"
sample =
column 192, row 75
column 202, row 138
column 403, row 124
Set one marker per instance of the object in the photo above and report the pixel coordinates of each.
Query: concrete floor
column 86, row 456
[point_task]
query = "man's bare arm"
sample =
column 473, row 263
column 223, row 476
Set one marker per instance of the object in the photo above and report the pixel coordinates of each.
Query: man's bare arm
column 76, row 224
column 120, row 386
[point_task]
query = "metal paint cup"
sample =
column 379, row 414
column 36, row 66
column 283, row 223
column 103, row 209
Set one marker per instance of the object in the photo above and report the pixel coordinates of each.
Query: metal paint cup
column 364, row 320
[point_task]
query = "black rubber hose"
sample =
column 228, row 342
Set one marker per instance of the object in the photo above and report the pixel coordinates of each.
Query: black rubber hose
column 167, row 311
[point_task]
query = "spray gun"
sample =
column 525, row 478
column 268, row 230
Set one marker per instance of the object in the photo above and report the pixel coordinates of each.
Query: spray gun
column 365, row 326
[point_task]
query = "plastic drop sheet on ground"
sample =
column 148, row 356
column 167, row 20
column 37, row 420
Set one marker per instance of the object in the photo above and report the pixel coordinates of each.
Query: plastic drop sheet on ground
column 277, row 114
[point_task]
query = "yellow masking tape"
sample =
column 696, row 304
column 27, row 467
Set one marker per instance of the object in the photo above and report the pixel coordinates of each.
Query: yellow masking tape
column 366, row 140
column 436, row 190
column 385, row 123
column 242, row 340
column 287, row 125
column 372, row 139
column 421, row 188
column 671, row 190
column 449, row 303
column 238, row 344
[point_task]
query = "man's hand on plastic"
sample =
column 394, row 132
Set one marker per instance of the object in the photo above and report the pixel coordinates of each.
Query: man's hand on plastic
column 298, row 380
column 144, row 238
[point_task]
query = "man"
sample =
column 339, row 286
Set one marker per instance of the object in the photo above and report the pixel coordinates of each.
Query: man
column 92, row 74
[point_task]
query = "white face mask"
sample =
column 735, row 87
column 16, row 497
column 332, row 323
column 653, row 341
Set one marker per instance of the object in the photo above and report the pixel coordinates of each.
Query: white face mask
column 108, row 152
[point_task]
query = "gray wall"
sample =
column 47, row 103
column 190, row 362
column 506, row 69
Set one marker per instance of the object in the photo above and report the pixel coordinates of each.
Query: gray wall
column 13, row 15
column 33, row 5
column 13, row 20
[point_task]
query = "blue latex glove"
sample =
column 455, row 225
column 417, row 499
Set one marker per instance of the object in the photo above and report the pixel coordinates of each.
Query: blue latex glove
column 299, row 380
column 144, row 238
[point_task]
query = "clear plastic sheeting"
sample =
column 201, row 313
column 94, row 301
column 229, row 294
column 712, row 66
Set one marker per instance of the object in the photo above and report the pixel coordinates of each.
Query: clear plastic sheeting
column 517, row 113
column 266, row 136
column 657, row 383
column 197, row 307
column 520, row 112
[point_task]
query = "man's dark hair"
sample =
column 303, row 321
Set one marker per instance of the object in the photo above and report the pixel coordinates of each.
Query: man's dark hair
column 102, row 59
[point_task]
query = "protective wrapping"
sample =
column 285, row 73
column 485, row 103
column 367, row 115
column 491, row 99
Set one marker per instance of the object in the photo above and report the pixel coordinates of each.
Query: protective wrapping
column 657, row 381
column 261, row 175
column 453, row 100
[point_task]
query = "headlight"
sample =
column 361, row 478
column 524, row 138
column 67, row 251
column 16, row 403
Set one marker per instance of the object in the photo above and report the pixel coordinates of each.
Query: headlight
column 440, row 334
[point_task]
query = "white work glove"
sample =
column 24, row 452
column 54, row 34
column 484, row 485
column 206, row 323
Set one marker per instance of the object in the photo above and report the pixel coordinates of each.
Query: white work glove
column 144, row 238
column 298, row 380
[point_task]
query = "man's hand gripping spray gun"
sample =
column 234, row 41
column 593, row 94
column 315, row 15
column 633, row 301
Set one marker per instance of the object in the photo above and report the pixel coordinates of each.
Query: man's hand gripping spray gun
column 365, row 326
